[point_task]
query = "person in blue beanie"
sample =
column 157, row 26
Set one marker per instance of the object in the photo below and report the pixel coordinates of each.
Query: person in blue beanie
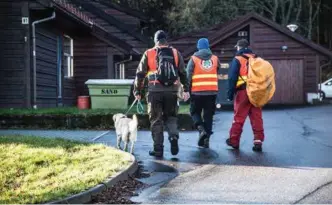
column 202, row 71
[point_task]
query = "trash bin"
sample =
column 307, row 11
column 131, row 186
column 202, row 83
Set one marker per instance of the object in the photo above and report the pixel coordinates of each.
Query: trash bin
column 109, row 93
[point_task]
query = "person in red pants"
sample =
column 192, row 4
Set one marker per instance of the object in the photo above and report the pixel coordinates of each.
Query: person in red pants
column 237, row 76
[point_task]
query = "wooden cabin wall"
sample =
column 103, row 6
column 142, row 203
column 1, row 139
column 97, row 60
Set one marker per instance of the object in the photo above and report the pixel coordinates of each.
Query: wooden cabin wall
column 90, row 62
column 13, row 86
column 225, row 49
column 267, row 42
column 46, row 66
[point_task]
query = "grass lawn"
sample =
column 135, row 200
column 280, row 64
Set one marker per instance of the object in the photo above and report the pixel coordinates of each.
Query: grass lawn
column 37, row 170
column 74, row 111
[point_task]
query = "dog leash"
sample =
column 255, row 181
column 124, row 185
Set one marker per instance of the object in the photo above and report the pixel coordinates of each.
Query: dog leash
column 139, row 107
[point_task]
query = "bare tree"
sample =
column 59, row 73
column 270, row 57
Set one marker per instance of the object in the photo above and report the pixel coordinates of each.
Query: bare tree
column 314, row 8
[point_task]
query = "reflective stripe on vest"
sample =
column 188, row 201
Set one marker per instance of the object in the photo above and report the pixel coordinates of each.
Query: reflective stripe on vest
column 152, row 60
column 243, row 75
column 205, row 76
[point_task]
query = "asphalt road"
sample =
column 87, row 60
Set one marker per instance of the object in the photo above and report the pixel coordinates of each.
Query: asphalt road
column 295, row 166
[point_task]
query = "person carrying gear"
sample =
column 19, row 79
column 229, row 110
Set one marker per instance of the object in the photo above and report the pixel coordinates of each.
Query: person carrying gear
column 202, row 71
column 162, row 65
column 242, row 106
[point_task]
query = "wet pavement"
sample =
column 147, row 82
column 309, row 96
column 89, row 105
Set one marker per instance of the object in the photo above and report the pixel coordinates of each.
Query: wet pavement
column 295, row 166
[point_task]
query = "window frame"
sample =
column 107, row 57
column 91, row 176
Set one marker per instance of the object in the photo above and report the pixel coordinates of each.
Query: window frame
column 69, row 58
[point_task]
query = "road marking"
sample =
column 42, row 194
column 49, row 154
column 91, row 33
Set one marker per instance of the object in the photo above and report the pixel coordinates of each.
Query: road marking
column 101, row 135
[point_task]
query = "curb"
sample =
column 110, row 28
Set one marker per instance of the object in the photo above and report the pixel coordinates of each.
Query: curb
column 86, row 196
column 74, row 122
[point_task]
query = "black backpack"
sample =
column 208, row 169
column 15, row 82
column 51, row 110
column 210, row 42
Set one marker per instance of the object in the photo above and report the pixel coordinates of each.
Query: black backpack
column 167, row 72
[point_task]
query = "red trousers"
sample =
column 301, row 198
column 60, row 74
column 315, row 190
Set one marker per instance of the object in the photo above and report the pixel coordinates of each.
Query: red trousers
column 243, row 108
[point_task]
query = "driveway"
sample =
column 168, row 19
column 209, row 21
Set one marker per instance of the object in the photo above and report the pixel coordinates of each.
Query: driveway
column 295, row 166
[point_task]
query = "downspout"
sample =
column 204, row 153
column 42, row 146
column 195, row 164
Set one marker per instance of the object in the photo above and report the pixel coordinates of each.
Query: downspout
column 34, row 56
column 121, row 63
column 320, row 76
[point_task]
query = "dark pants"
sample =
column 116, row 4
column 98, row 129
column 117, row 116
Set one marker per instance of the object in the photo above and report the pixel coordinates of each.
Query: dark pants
column 162, row 109
column 207, row 105
column 242, row 109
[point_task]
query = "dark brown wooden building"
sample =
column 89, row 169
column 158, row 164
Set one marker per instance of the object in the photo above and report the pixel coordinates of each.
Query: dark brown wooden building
column 296, row 60
column 81, row 40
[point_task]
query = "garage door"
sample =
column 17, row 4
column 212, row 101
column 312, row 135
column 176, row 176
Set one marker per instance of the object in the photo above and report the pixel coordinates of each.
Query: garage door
column 289, row 82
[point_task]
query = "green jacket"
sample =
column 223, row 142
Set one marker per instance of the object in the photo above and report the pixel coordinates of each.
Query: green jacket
column 143, row 69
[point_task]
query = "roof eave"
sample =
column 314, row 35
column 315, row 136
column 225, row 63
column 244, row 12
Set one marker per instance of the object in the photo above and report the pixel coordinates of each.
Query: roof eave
column 98, row 32
column 111, row 20
column 126, row 10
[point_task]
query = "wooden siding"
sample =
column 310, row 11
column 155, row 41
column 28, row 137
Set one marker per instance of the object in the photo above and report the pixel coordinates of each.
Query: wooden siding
column 90, row 62
column 69, row 92
column 12, row 67
column 225, row 50
column 47, row 71
column 182, row 43
column 267, row 43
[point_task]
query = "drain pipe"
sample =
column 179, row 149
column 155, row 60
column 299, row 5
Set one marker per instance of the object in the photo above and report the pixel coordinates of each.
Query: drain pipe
column 122, row 67
column 34, row 56
column 320, row 76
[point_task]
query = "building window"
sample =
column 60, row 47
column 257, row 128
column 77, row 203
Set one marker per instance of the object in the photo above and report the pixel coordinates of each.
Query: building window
column 68, row 57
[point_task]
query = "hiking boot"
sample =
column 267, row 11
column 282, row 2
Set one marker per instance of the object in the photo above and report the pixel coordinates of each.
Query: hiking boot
column 206, row 142
column 257, row 146
column 228, row 142
column 174, row 145
column 157, row 152
column 202, row 136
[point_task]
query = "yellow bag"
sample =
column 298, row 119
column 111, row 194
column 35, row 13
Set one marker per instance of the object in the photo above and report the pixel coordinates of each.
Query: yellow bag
column 260, row 81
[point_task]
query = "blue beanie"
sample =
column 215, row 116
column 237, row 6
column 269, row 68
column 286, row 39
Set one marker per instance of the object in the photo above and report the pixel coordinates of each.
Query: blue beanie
column 203, row 43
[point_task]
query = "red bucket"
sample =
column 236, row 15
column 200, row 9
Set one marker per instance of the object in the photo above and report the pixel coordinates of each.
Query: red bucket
column 83, row 102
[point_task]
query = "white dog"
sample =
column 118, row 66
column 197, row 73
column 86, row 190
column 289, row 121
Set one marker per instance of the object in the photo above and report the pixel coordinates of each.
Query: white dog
column 126, row 130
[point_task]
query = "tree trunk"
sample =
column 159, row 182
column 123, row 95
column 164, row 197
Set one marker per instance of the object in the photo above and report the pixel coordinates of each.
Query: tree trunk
column 289, row 12
column 282, row 8
column 275, row 10
column 310, row 20
column 299, row 10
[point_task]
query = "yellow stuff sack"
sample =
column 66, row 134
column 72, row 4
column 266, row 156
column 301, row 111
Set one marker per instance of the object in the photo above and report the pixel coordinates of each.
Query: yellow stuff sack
column 260, row 81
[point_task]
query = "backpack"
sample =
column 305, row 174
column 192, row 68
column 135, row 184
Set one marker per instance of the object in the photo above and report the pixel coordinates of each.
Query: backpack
column 260, row 81
column 167, row 72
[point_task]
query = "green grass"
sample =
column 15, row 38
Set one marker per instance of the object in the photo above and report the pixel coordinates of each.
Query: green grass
column 74, row 111
column 37, row 170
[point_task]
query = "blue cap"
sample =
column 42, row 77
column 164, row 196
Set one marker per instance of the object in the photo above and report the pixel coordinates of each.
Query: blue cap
column 203, row 43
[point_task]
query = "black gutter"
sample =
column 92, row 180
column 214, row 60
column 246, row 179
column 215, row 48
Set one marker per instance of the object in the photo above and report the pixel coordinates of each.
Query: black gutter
column 108, row 18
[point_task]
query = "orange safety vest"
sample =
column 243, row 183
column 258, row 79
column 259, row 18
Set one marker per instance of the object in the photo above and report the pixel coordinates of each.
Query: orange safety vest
column 152, row 61
column 205, row 75
column 243, row 75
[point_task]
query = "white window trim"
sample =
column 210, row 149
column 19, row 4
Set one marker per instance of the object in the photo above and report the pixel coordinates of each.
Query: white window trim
column 70, row 59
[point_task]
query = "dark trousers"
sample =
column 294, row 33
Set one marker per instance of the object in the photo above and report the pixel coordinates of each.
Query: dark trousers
column 162, row 110
column 242, row 109
column 207, row 105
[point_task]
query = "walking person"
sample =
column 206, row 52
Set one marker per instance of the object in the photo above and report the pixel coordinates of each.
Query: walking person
column 202, row 71
column 163, row 65
column 242, row 107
